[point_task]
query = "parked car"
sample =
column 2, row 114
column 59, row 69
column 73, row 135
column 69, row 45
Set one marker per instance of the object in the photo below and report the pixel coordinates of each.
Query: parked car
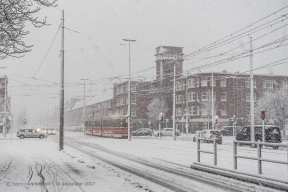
column 31, row 133
column 143, row 132
column 272, row 134
column 228, row 130
column 167, row 132
column 209, row 134
column 51, row 131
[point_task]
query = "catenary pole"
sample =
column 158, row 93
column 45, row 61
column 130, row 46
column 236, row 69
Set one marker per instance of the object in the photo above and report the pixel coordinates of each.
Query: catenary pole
column 251, row 94
column 187, row 114
column 212, row 104
column 174, row 87
column 84, row 108
column 5, row 107
column 61, row 124
column 129, row 92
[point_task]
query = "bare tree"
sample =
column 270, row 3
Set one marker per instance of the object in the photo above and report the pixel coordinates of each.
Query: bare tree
column 275, row 104
column 155, row 107
column 14, row 14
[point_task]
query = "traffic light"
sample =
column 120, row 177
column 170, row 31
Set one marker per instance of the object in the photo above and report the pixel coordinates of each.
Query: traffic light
column 263, row 115
column 24, row 121
column 216, row 118
column 161, row 116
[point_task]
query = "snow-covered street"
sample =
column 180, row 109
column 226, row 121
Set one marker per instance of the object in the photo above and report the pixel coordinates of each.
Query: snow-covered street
column 37, row 165
column 33, row 164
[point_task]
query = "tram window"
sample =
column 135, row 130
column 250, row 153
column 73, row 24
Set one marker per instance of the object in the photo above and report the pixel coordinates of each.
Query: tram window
column 97, row 123
column 124, row 123
column 87, row 123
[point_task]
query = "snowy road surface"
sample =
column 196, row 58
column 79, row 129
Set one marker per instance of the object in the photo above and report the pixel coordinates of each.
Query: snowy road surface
column 37, row 165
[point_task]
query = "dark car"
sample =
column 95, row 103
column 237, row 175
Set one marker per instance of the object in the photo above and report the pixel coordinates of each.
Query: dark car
column 228, row 130
column 143, row 132
column 272, row 134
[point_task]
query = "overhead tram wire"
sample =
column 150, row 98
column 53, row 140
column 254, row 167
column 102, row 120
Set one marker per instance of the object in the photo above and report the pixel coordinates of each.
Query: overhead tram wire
column 185, row 55
column 230, row 40
column 48, row 50
column 243, row 28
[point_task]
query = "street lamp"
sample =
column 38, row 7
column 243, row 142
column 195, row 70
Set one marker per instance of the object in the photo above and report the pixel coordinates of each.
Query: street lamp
column 129, row 91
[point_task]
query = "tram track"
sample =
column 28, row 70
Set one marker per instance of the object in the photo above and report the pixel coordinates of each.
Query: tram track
column 174, row 172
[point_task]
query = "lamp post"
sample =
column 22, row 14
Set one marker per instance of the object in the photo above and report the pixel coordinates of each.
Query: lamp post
column 129, row 92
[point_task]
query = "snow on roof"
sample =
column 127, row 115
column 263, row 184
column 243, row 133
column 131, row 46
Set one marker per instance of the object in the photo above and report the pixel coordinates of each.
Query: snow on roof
column 105, row 96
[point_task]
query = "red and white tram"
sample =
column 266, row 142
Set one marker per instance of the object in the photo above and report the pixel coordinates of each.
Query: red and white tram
column 107, row 127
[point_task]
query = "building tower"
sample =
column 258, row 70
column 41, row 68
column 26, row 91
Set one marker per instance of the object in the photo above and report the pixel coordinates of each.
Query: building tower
column 166, row 58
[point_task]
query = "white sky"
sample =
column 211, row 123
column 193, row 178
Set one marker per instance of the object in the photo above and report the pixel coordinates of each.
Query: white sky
column 95, row 53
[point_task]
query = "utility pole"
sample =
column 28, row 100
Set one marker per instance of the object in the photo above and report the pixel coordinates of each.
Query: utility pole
column 61, row 127
column 174, row 87
column 84, row 109
column 11, row 126
column 186, row 96
column 5, row 105
column 48, row 117
column 129, row 92
column 212, row 105
column 251, row 94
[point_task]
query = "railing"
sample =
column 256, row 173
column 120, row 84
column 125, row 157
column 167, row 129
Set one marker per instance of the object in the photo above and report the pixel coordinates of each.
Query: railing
column 259, row 153
column 214, row 152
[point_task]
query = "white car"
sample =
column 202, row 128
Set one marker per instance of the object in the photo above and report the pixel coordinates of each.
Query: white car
column 208, row 134
column 167, row 132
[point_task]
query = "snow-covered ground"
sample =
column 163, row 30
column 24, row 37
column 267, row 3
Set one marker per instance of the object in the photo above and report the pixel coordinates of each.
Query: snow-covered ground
column 27, row 163
column 183, row 151
column 22, row 160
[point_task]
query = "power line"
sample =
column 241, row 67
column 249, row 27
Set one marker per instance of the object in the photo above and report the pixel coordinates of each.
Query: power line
column 47, row 51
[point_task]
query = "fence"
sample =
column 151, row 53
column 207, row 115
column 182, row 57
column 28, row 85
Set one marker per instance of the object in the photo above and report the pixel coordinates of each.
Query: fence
column 214, row 152
column 259, row 154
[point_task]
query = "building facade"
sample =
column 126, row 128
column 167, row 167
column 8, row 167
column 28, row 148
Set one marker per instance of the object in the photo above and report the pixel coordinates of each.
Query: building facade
column 231, row 95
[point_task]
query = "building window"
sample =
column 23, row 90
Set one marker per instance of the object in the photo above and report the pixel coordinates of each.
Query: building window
column 223, row 96
column 223, row 110
column 247, row 84
column 122, row 101
column 133, row 99
column 179, row 99
column 117, row 91
column 178, row 112
column 117, row 103
column 178, row 86
column 223, row 82
column 248, row 97
column 191, row 83
column 133, row 113
column 109, row 104
column 204, row 96
column 192, row 110
column 204, row 81
column 123, row 89
column 191, row 97
column 268, row 84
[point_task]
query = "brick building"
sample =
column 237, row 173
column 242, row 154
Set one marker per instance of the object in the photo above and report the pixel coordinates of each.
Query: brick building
column 231, row 93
